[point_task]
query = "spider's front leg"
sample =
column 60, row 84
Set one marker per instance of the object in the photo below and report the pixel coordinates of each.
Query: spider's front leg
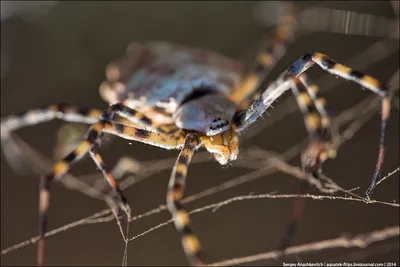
column 329, row 65
column 321, row 145
column 317, row 124
column 93, row 138
column 277, row 88
column 64, row 112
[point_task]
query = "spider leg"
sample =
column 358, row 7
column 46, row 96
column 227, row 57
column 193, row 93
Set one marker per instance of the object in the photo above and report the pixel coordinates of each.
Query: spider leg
column 190, row 243
column 93, row 137
column 244, row 118
column 137, row 117
column 320, row 148
column 61, row 111
column 65, row 112
column 366, row 81
column 269, row 54
column 109, row 177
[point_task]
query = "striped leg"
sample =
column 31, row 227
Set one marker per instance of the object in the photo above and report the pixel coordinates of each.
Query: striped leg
column 61, row 111
column 190, row 243
column 70, row 113
column 271, row 52
column 124, row 168
column 92, row 139
column 366, row 81
column 96, row 157
column 136, row 117
column 246, row 117
column 320, row 148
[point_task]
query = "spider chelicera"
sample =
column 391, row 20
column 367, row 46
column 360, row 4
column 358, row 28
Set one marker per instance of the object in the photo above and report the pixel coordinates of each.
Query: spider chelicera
column 176, row 97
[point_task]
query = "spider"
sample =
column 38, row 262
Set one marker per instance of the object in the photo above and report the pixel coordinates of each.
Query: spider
column 177, row 97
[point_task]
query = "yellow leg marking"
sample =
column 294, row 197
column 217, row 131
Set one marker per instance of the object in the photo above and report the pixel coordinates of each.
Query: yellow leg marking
column 95, row 113
column 312, row 121
column 332, row 153
column 181, row 168
column 98, row 127
column 265, row 59
column 167, row 141
column 385, row 108
column 371, row 81
column 342, row 69
column 313, row 89
column 60, row 167
column 250, row 82
column 319, row 56
column 44, row 201
column 98, row 158
column 82, row 148
column 191, row 244
column 325, row 121
column 181, row 218
column 321, row 101
column 304, row 99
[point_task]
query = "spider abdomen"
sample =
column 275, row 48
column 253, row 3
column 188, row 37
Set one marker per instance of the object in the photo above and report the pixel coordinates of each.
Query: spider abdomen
column 159, row 77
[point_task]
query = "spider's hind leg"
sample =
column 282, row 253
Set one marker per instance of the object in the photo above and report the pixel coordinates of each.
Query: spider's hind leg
column 321, row 145
column 317, row 123
column 270, row 53
column 246, row 117
column 329, row 65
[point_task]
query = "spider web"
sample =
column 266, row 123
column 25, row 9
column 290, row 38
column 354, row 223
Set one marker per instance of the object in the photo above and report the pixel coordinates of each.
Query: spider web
column 258, row 163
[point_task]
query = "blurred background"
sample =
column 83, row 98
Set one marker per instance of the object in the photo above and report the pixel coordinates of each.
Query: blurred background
column 58, row 51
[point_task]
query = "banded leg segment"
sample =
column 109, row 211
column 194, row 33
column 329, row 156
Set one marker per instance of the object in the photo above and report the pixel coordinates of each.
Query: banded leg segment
column 136, row 117
column 270, row 53
column 320, row 148
column 126, row 166
column 246, row 117
column 190, row 243
column 61, row 111
column 58, row 170
column 366, row 81
column 317, row 123
column 96, row 157
column 71, row 113
column 93, row 137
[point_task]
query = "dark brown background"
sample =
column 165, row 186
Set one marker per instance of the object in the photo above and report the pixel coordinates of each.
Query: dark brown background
column 62, row 58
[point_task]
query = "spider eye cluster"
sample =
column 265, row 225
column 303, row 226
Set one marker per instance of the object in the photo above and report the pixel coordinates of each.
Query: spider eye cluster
column 218, row 124
column 210, row 114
